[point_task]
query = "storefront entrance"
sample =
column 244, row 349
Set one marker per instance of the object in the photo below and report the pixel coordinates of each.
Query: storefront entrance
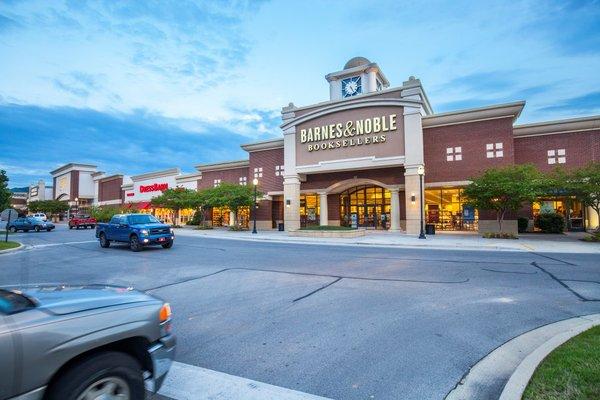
column 365, row 207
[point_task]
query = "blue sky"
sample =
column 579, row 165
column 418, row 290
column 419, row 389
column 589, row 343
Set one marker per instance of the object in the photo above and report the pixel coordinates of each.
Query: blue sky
column 136, row 86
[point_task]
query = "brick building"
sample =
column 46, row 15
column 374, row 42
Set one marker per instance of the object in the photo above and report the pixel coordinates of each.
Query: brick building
column 356, row 159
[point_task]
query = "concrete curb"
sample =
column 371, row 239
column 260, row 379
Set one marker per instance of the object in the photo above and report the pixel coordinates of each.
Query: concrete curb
column 516, row 360
column 515, row 387
column 20, row 247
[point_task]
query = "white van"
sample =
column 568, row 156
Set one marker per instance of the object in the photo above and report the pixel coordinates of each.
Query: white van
column 41, row 216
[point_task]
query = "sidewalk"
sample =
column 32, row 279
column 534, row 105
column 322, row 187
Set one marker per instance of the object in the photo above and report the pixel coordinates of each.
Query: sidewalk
column 567, row 243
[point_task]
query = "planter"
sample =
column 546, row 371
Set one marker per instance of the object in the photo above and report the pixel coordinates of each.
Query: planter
column 328, row 234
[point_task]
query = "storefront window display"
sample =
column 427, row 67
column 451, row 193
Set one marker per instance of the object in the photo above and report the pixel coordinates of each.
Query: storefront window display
column 445, row 209
column 571, row 209
column 309, row 210
column 221, row 216
column 365, row 207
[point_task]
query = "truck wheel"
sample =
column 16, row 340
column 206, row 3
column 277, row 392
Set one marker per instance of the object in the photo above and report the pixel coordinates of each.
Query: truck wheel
column 168, row 245
column 108, row 375
column 103, row 241
column 37, row 228
column 70, row 226
column 92, row 226
column 134, row 243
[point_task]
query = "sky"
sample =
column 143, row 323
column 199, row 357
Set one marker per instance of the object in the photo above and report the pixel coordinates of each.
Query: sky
column 139, row 86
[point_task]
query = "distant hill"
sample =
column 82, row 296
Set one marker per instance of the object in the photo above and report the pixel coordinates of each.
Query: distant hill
column 19, row 189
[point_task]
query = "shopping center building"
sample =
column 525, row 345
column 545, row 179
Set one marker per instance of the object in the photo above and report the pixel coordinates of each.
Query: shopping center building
column 357, row 160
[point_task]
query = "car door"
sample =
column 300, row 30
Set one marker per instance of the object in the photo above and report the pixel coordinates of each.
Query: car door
column 10, row 349
column 18, row 223
column 123, row 229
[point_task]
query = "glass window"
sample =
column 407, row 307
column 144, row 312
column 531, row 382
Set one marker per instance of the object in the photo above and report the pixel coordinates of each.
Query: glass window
column 445, row 209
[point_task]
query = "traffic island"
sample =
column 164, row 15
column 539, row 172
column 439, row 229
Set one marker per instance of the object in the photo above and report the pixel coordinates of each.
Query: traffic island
column 6, row 247
column 327, row 231
column 572, row 371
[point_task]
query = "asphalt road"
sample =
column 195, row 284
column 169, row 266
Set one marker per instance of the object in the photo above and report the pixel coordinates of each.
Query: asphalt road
column 339, row 322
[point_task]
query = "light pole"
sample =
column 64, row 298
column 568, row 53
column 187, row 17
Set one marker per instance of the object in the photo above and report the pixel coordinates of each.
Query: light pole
column 255, row 183
column 421, row 172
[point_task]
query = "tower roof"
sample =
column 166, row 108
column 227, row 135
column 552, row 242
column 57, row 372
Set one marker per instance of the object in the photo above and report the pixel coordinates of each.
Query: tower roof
column 356, row 62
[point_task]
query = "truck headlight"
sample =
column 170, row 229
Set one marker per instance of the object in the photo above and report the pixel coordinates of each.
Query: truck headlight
column 144, row 231
column 172, row 231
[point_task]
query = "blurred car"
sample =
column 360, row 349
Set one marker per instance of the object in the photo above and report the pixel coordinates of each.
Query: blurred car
column 139, row 230
column 27, row 224
column 39, row 215
column 82, row 221
column 82, row 342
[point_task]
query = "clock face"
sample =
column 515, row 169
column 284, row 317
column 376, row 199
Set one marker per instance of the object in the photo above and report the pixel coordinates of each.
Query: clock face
column 351, row 86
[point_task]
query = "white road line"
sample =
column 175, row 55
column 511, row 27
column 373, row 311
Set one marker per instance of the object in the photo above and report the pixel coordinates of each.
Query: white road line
column 188, row 382
column 39, row 246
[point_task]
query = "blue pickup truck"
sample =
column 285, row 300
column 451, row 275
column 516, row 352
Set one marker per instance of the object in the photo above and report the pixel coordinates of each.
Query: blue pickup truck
column 138, row 230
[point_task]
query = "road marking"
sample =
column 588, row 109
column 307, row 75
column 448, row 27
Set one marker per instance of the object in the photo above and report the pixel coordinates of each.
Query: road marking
column 188, row 382
column 39, row 246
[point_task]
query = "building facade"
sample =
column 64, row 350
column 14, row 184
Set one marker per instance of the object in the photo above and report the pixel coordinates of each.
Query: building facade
column 358, row 158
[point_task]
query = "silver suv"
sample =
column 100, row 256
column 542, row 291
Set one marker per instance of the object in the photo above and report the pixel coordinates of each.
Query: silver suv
column 82, row 342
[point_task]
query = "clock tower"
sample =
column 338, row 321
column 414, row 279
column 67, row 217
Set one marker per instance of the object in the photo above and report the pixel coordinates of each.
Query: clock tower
column 359, row 76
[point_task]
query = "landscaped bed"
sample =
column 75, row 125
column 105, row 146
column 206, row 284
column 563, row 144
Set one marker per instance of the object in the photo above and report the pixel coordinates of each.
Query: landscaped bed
column 326, row 228
column 8, row 245
column 570, row 372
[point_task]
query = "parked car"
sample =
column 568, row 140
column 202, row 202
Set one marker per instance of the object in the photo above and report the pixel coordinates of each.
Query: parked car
column 39, row 215
column 82, row 221
column 27, row 224
column 82, row 342
column 138, row 230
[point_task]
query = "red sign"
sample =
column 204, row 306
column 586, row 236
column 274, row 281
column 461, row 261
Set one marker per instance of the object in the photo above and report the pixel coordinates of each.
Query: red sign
column 155, row 187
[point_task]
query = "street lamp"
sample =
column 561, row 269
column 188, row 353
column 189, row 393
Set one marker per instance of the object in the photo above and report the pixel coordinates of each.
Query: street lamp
column 421, row 172
column 255, row 183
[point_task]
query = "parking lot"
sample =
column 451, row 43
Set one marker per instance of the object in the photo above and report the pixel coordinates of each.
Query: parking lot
column 340, row 322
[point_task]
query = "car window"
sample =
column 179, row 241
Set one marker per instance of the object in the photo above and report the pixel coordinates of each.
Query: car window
column 114, row 219
column 142, row 219
column 13, row 302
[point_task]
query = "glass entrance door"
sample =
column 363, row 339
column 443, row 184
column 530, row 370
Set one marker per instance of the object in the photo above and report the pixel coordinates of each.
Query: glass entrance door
column 365, row 207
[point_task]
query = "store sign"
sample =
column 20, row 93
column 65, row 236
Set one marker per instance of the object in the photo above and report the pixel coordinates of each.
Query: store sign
column 34, row 191
column 155, row 187
column 352, row 133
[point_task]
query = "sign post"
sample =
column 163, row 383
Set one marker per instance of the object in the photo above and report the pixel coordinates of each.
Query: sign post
column 9, row 215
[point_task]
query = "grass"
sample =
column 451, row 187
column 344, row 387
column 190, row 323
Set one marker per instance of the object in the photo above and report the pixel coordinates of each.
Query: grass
column 326, row 228
column 8, row 245
column 571, row 372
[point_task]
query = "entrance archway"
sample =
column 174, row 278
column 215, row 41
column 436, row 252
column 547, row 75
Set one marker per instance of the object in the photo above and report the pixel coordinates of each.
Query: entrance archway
column 366, row 206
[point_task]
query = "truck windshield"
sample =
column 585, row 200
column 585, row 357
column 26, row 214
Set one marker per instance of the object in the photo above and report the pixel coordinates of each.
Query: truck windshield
column 142, row 219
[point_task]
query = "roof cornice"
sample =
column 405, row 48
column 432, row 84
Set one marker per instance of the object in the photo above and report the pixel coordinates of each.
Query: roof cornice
column 194, row 176
column 264, row 145
column 555, row 127
column 156, row 174
column 71, row 166
column 512, row 110
column 222, row 166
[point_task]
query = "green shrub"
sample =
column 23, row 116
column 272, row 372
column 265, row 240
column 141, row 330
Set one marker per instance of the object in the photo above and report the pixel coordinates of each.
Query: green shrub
column 204, row 227
column 326, row 228
column 499, row 235
column 237, row 228
column 523, row 224
column 197, row 219
column 550, row 222
column 594, row 237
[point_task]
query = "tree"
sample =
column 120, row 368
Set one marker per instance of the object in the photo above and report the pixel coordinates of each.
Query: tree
column 5, row 193
column 48, row 206
column 177, row 199
column 584, row 183
column 504, row 189
column 231, row 195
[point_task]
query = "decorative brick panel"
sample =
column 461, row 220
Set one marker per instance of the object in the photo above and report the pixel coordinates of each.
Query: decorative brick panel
column 228, row 175
column 388, row 176
column 110, row 189
column 333, row 206
column 74, row 192
column 580, row 148
column 472, row 138
column 267, row 160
